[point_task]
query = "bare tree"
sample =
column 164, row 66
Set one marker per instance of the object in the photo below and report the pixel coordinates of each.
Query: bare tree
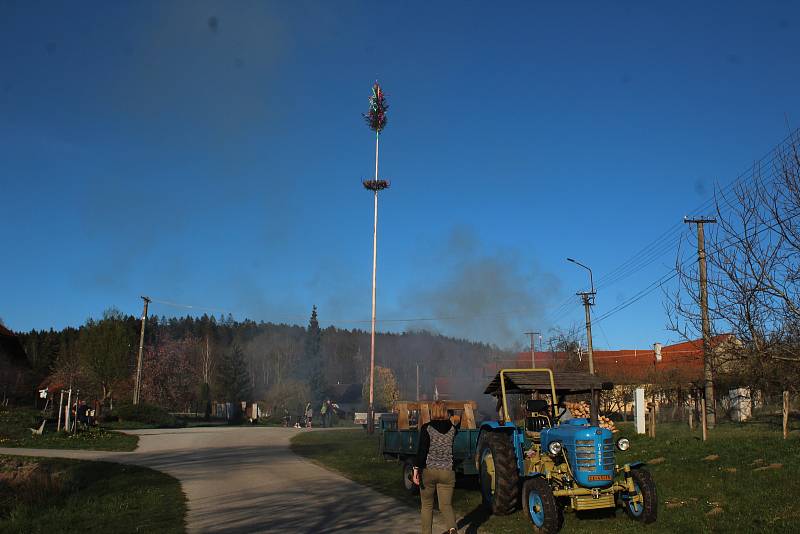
column 754, row 275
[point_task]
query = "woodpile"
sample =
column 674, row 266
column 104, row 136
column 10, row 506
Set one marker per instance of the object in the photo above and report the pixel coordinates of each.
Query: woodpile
column 582, row 409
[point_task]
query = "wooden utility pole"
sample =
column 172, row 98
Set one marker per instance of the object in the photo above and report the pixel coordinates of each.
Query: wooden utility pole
column 708, row 369
column 138, row 385
column 533, row 353
column 417, row 381
column 588, row 300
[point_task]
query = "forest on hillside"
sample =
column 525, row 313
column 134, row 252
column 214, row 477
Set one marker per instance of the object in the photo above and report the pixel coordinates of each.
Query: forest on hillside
column 189, row 361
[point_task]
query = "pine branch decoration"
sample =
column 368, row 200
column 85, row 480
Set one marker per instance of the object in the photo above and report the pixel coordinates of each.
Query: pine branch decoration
column 376, row 116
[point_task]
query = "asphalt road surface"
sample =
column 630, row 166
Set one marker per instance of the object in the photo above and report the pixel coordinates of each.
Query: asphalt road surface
column 247, row 480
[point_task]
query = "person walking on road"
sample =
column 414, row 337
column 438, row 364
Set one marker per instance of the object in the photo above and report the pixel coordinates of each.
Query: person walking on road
column 433, row 470
column 309, row 414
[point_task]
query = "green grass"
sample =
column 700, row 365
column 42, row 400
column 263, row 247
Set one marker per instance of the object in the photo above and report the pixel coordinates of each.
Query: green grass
column 42, row 495
column 689, row 487
column 15, row 425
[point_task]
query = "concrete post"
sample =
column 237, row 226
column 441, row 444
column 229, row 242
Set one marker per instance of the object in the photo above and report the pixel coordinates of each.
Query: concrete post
column 639, row 406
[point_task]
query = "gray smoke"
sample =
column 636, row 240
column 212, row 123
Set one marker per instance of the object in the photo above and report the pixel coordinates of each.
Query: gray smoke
column 491, row 297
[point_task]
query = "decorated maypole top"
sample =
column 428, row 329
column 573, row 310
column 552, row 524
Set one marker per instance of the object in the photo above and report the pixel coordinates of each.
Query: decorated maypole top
column 375, row 118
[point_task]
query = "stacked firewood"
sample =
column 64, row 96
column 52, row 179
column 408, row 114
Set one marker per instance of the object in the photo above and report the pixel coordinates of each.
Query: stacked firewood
column 583, row 409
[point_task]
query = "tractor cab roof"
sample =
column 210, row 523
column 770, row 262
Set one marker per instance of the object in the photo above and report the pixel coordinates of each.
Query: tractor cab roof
column 532, row 382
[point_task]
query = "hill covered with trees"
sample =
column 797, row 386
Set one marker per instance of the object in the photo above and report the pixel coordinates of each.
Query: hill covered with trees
column 189, row 361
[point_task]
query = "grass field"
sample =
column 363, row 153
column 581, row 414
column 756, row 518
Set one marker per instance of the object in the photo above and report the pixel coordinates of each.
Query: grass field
column 750, row 487
column 15, row 425
column 42, row 495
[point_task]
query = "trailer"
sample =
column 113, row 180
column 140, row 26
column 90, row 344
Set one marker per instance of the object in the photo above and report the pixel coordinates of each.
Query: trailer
column 399, row 436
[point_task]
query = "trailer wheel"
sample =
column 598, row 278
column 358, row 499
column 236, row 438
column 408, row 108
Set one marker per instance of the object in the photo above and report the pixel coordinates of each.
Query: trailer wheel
column 645, row 511
column 541, row 507
column 499, row 479
column 408, row 481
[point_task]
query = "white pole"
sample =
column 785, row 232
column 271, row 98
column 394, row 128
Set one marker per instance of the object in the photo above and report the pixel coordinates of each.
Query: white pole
column 67, row 412
column 60, row 410
column 371, row 423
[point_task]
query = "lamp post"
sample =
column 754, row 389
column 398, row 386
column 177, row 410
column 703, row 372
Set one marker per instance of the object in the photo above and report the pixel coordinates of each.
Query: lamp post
column 588, row 300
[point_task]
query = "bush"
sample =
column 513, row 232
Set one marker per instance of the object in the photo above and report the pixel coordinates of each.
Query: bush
column 145, row 413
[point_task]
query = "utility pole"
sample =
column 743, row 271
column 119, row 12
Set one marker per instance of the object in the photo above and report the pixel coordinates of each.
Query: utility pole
column 588, row 300
column 417, row 381
column 138, row 385
column 708, row 371
column 533, row 353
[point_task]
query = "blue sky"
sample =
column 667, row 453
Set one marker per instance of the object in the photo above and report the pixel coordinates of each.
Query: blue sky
column 210, row 154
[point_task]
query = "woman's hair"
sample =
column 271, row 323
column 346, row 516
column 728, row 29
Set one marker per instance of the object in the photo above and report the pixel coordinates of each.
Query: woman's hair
column 438, row 411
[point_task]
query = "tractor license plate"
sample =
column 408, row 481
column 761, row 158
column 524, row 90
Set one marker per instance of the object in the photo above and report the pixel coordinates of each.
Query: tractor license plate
column 599, row 477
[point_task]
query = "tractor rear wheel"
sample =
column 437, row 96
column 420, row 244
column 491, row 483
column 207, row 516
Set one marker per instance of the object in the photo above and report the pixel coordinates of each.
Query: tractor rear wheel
column 541, row 507
column 645, row 511
column 408, row 481
column 499, row 479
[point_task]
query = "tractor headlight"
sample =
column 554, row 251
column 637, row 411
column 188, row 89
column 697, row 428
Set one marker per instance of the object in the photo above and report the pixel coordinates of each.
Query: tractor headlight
column 623, row 444
column 554, row 447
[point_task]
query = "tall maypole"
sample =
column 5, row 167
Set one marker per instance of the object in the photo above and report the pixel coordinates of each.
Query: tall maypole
column 376, row 120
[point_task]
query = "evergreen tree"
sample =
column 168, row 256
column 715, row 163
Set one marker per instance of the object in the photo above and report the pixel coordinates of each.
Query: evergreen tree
column 234, row 378
column 312, row 360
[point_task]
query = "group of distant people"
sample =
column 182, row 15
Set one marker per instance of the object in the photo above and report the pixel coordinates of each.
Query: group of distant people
column 325, row 414
column 326, row 411
column 82, row 415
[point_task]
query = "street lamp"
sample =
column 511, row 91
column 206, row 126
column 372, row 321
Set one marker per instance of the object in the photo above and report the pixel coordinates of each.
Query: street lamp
column 588, row 300
column 591, row 278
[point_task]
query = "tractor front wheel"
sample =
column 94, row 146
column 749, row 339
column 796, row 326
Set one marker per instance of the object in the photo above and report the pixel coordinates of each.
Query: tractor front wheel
column 541, row 507
column 646, row 509
column 499, row 479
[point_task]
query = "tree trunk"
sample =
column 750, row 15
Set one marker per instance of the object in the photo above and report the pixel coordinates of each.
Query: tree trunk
column 785, row 414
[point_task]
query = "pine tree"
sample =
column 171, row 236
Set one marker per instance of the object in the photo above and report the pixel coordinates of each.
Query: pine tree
column 234, row 378
column 313, row 357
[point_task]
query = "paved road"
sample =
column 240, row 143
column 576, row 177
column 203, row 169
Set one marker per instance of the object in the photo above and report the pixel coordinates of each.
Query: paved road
column 246, row 480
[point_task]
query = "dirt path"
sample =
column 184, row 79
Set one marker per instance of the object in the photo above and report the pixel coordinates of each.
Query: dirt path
column 246, row 480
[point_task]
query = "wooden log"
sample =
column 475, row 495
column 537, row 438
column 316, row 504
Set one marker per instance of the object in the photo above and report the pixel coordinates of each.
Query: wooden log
column 424, row 413
column 468, row 421
column 449, row 404
column 402, row 415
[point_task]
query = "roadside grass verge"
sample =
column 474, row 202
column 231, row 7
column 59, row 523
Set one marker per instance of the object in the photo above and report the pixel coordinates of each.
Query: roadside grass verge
column 748, row 488
column 15, row 425
column 44, row 495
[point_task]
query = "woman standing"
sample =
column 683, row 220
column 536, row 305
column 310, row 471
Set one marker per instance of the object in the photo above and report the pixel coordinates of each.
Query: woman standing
column 309, row 414
column 433, row 471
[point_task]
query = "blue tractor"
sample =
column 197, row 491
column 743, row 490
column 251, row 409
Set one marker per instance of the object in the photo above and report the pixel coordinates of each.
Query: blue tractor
column 533, row 458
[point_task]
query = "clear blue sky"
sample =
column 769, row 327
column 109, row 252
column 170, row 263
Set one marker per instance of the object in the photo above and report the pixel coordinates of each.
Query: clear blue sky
column 211, row 154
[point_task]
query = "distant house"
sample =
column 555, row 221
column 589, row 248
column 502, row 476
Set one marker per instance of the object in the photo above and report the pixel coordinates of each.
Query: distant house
column 15, row 369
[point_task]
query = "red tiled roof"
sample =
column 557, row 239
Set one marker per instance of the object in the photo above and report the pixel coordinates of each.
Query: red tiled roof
column 682, row 362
